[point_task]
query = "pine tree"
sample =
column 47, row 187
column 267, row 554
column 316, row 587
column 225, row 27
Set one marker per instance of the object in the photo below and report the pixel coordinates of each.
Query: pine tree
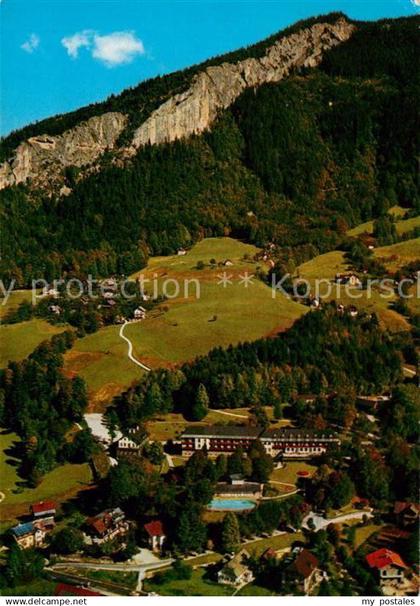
column 201, row 405
column 231, row 536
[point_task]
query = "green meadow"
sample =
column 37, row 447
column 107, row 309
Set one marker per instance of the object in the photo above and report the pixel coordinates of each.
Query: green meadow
column 189, row 324
column 17, row 341
column 61, row 483
column 326, row 266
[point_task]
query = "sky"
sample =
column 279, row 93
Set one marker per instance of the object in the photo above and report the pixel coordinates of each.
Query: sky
column 58, row 55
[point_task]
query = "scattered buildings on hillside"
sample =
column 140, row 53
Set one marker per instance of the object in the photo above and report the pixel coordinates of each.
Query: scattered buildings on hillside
column 288, row 442
column 236, row 571
column 139, row 313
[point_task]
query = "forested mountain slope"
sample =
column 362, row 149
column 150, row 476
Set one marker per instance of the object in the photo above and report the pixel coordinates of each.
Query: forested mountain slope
column 295, row 161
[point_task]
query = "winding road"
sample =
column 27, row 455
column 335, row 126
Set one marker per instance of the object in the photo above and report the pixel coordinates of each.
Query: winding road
column 130, row 349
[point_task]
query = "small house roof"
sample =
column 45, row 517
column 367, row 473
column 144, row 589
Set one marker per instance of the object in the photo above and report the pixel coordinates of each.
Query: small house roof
column 21, row 529
column 305, row 563
column 43, row 506
column 381, row 558
column 154, row 528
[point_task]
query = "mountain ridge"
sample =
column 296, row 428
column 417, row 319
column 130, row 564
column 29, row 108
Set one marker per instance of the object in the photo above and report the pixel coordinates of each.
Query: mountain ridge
column 43, row 159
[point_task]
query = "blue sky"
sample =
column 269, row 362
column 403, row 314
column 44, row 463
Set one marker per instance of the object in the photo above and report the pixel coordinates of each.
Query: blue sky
column 57, row 55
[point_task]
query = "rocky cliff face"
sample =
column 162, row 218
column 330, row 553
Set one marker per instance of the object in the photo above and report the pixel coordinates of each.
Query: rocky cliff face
column 217, row 87
column 43, row 159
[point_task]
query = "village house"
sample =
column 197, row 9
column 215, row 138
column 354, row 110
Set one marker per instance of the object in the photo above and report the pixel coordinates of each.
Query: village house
column 237, row 487
column 387, row 565
column 32, row 534
column 350, row 279
column 107, row 525
column 181, row 252
column 228, row 263
column 303, row 573
column 406, row 514
column 132, row 443
column 236, row 571
column 289, row 442
column 139, row 313
column 155, row 535
column 44, row 509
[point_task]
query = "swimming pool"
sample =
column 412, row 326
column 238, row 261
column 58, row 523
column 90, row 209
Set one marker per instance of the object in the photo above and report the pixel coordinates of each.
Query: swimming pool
column 231, row 504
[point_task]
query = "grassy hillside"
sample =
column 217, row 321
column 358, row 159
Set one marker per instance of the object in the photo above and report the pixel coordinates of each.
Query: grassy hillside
column 60, row 484
column 397, row 255
column 17, row 341
column 185, row 327
column 324, row 267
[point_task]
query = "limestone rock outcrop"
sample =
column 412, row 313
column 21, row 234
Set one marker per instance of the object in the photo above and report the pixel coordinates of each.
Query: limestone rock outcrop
column 217, row 87
column 43, row 158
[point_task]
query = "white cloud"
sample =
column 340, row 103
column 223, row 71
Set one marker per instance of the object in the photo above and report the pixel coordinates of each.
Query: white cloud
column 78, row 40
column 117, row 48
column 31, row 44
column 415, row 2
column 112, row 49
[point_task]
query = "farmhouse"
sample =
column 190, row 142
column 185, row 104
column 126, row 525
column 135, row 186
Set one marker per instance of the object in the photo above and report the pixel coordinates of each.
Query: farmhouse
column 303, row 572
column 287, row 442
column 156, row 534
column 108, row 525
column 236, row 572
column 32, row 534
column 387, row 565
column 406, row 514
column 350, row 279
column 43, row 508
column 139, row 313
column 132, row 444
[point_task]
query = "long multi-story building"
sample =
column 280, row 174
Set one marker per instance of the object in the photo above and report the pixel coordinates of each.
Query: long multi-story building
column 289, row 442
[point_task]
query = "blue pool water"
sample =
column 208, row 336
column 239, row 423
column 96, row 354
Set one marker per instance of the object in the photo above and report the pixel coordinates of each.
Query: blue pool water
column 231, row 504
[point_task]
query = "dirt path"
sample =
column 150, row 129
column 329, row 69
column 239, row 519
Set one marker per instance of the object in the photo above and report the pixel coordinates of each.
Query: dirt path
column 130, row 349
column 229, row 414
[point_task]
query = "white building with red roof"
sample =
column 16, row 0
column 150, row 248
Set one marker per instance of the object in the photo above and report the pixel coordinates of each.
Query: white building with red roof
column 387, row 564
column 156, row 534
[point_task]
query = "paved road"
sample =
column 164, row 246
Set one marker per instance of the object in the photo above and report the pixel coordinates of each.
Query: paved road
column 321, row 522
column 130, row 349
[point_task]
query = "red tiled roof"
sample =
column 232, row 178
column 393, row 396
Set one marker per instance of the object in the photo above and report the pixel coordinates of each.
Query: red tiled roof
column 401, row 506
column 305, row 563
column 154, row 528
column 43, row 506
column 383, row 558
column 68, row 590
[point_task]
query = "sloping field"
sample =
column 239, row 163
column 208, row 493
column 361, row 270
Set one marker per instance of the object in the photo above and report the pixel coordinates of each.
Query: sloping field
column 204, row 314
column 397, row 255
column 17, row 341
column 325, row 267
column 60, row 484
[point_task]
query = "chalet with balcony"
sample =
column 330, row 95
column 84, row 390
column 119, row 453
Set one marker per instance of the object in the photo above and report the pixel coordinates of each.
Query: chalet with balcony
column 387, row 565
column 303, row 572
column 107, row 525
column 236, row 571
